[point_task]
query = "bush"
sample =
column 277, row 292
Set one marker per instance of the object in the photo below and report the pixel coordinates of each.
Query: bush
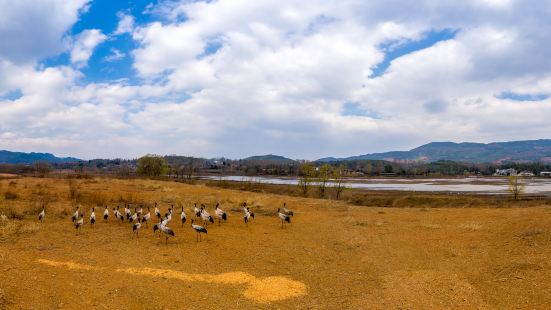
column 9, row 195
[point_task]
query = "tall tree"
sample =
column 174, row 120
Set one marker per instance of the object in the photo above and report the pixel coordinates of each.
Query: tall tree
column 152, row 165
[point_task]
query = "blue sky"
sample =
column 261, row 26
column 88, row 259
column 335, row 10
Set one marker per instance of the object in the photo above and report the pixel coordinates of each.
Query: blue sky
column 91, row 78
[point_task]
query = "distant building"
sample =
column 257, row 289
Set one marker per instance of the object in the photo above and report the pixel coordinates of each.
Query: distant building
column 525, row 174
column 545, row 174
column 505, row 172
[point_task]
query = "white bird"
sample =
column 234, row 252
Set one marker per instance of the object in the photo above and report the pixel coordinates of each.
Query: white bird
column 136, row 228
column 206, row 216
column 79, row 223
column 118, row 215
column 220, row 214
column 283, row 217
column 183, row 216
column 198, row 229
column 92, row 218
column 127, row 211
column 157, row 213
column 167, row 231
column 41, row 215
column 106, row 214
column 133, row 217
column 146, row 217
column 140, row 211
column 248, row 213
column 287, row 211
column 75, row 215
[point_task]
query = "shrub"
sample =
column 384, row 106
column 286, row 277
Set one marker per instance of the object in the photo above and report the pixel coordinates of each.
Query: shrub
column 9, row 195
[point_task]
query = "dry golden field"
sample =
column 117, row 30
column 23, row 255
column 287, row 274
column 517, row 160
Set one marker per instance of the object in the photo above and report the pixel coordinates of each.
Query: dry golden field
column 331, row 256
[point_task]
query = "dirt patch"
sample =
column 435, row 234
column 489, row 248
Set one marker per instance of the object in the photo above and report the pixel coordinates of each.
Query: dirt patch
column 431, row 289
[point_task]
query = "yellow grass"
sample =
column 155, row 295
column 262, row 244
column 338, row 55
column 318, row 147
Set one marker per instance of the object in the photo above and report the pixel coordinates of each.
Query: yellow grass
column 332, row 255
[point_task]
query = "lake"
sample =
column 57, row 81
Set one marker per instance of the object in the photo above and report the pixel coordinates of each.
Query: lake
column 453, row 185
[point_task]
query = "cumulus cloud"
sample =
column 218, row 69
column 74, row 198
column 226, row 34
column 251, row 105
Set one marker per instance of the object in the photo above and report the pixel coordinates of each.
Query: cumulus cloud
column 235, row 78
column 125, row 25
column 32, row 29
column 84, row 46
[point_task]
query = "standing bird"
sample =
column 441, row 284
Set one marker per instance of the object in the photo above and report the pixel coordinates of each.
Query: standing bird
column 106, row 214
column 197, row 211
column 75, row 215
column 41, row 215
column 133, row 217
column 118, row 215
column 92, row 218
column 79, row 223
column 206, row 216
column 136, row 228
column 198, row 229
column 167, row 231
column 157, row 213
column 146, row 217
column 127, row 211
column 248, row 213
column 140, row 211
column 183, row 217
column 283, row 217
column 220, row 214
column 287, row 211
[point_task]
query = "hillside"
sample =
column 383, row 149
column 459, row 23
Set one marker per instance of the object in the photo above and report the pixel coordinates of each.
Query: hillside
column 270, row 158
column 7, row 157
column 497, row 152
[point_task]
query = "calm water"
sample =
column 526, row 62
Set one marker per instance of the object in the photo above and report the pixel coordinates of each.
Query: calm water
column 489, row 186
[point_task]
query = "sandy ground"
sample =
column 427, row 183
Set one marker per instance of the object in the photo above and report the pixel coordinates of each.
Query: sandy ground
column 331, row 256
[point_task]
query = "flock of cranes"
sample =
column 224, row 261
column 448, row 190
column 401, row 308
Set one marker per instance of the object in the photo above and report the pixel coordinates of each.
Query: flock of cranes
column 138, row 218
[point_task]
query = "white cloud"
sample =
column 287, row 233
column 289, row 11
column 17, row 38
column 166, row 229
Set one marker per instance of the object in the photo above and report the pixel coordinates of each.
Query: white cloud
column 32, row 29
column 115, row 55
column 236, row 78
column 125, row 25
column 84, row 46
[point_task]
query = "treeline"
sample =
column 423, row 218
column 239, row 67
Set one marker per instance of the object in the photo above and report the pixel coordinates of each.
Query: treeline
column 183, row 167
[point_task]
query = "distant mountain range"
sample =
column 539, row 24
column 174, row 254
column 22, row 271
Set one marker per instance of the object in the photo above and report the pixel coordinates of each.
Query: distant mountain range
column 497, row 152
column 7, row 157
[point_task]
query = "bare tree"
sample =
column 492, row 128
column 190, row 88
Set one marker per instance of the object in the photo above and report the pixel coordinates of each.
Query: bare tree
column 516, row 186
column 306, row 175
column 41, row 168
column 323, row 174
column 338, row 180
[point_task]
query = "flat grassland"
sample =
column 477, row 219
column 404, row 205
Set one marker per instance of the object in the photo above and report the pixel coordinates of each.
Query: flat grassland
column 332, row 255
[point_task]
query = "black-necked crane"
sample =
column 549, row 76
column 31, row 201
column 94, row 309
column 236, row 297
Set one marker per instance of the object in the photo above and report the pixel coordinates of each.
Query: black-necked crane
column 133, row 217
column 79, row 222
column 283, row 217
column 196, row 210
column 287, row 211
column 248, row 213
column 220, row 214
column 206, row 216
column 127, row 211
column 92, row 217
column 140, row 211
column 157, row 212
column 167, row 231
column 136, row 228
column 75, row 215
column 118, row 215
column 183, row 216
column 198, row 229
column 41, row 214
column 147, row 217
column 106, row 214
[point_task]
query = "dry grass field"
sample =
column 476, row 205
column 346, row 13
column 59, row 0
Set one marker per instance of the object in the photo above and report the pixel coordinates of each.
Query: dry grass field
column 332, row 255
